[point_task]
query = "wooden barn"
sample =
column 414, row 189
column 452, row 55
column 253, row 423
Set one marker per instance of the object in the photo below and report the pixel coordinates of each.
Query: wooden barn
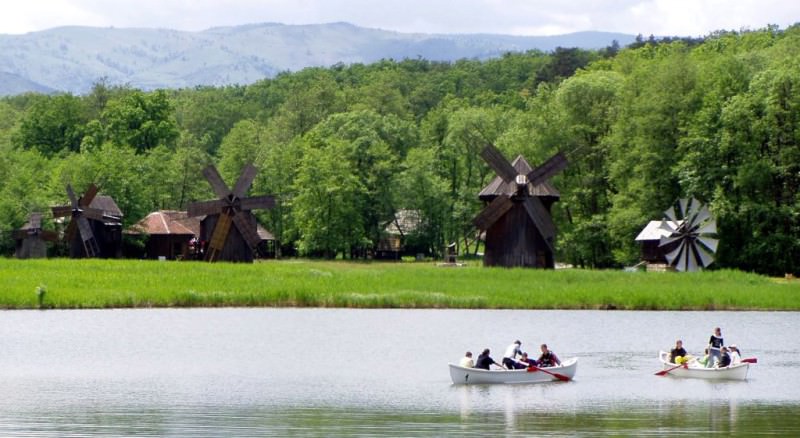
column 95, row 225
column 516, row 218
column 167, row 234
column 31, row 240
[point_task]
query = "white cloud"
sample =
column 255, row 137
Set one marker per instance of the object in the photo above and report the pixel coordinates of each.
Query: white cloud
column 659, row 17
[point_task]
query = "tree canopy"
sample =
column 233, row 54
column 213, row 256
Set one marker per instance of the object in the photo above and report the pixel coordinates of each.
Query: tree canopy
column 344, row 149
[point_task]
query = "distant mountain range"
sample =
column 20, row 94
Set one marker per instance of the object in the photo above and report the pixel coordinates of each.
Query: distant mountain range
column 73, row 58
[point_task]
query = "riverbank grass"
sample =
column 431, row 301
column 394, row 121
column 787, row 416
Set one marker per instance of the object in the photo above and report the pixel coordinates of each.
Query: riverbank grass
column 301, row 283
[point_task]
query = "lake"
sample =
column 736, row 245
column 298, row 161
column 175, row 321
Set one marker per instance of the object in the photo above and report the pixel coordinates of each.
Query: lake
column 357, row 372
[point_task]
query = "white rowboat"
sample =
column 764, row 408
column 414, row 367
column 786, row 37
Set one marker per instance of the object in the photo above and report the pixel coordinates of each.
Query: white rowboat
column 696, row 370
column 461, row 375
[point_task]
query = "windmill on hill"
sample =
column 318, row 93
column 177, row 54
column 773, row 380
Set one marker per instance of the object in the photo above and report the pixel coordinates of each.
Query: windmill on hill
column 95, row 227
column 519, row 228
column 229, row 226
column 31, row 238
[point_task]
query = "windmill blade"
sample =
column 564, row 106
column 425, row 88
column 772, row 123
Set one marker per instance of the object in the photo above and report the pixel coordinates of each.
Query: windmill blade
column 552, row 166
column 73, row 200
column 203, row 208
column 701, row 216
column 541, row 218
column 62, row 211
column 709, row 243
column 215, row 180
column 683, row 204
column 88, row 196
column 709, row 227
column 492, row 212
column 691, row 260
column 495, row 159
column 264, row 202
column 672, row 255
column 705, row 258
column 245, row 180
column 247, row 229
column 93, row 213
column 668, row 226
column 219, row 237
column 664, row 241
column 670, row 214
column 84, row 228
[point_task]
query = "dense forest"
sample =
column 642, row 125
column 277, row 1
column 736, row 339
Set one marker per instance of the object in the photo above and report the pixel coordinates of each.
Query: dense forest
column 344, row 148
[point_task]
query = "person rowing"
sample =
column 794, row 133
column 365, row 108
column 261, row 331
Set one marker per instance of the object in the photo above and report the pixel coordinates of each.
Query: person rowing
column 548, row 358
column 510, row 356
column 485, row 361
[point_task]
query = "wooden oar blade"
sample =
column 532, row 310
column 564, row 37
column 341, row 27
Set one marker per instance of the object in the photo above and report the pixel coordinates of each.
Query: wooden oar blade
column 750, row 360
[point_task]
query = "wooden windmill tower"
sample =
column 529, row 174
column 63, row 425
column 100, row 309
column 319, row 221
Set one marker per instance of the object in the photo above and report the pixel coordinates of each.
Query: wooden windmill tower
column 517, row 221
column 95, row 227
column 226, row 242
column 31, row 240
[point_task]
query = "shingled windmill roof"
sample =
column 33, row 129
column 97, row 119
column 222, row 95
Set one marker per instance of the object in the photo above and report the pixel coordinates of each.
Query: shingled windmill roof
column 109, row 208
column 498, row 187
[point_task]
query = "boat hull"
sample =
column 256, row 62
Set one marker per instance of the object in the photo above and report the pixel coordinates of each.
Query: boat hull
column 472, row 376
column 697, row 371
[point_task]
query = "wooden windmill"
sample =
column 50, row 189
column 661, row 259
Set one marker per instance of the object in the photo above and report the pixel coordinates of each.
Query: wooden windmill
column 226, row 242
column 95, row 227
column 517, row 221
column 31, row 239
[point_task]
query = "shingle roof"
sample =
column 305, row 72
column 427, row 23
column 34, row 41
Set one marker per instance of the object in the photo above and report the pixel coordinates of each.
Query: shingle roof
column 107, row 204
column 497, row 187
column 167, row 222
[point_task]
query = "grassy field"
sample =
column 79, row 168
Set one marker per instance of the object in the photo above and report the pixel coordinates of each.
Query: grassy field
column 129, row 283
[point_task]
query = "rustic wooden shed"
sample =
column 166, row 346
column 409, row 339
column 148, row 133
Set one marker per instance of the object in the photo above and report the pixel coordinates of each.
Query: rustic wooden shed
column 31, row 240
column 168, row 234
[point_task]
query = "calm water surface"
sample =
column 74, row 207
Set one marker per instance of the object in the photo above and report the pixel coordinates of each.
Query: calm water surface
column 323, row 372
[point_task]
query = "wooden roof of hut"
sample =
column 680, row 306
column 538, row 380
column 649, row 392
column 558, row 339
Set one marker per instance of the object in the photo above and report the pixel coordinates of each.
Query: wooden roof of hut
column 497, row 187
column 165, row 222
column 109, row 207
column 173, row 222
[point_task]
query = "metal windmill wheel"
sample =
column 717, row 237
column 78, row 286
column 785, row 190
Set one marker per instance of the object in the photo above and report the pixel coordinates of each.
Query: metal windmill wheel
column 232, row 208
column 689, row 247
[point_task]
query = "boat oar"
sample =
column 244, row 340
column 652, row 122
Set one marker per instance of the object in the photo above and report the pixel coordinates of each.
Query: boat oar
column 561, row 377
column 664, row 372
column 750, row 360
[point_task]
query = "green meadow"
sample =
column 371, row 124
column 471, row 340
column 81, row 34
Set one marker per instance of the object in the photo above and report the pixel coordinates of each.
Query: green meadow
column 72, row 284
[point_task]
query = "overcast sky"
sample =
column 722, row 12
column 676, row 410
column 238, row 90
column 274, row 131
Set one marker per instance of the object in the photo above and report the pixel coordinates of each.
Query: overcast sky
column 519, row 17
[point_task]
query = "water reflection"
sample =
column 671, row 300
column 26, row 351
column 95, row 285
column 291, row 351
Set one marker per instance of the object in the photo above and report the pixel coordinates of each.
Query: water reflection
column 323, row 372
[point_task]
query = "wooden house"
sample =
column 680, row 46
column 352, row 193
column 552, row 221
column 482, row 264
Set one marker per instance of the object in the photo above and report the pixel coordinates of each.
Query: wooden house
column 395, row 233
column 167, row 234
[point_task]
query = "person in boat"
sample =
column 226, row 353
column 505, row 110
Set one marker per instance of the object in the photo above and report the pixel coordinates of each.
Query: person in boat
column 466, row 361
column 677, row 354
column 736, row 357
column 524, row 362
column 724, row 358
column 510, row 356
column 548, row 358
column 715, row 344
column 703, row 360
column 485, row 361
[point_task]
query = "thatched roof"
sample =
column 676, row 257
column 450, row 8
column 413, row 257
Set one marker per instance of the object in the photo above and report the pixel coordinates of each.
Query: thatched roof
column 497, row 187
column 404, row 222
